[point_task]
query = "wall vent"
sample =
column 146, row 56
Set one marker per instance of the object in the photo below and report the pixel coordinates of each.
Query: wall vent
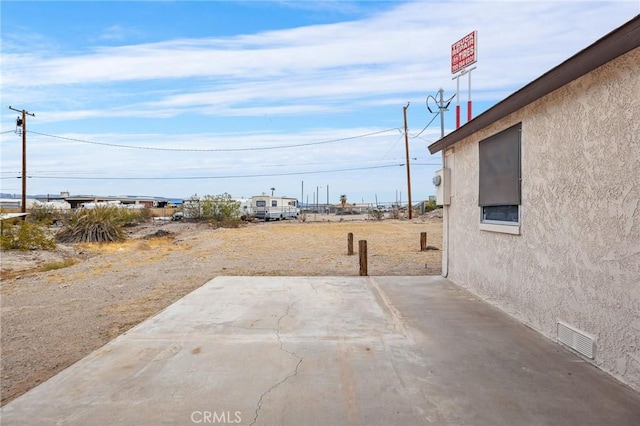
column 577, row 340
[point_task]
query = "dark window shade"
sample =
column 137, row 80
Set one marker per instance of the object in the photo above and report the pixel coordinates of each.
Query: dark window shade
column 500, row 168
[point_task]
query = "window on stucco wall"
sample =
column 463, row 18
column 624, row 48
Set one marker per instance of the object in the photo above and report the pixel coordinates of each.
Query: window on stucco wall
column 500, row 176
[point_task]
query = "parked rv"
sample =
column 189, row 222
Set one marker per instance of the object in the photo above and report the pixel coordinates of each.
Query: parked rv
column 274, row 208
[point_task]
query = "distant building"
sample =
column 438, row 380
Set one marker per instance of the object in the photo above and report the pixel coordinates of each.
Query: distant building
column 77, row 201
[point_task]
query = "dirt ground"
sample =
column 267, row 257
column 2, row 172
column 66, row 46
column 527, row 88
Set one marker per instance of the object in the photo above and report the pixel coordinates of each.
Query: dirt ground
column 51, row 319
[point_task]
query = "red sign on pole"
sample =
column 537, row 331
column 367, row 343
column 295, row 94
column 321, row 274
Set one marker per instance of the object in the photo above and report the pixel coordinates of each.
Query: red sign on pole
column 464, row 52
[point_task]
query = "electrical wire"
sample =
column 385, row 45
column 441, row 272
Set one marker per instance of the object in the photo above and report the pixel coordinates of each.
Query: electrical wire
column 425, row 127
column 263, row 148
column 385, row 154
column 260, row 166
column 208, row 177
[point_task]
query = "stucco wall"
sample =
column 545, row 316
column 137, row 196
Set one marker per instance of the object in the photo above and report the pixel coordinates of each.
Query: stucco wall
column 577, row 258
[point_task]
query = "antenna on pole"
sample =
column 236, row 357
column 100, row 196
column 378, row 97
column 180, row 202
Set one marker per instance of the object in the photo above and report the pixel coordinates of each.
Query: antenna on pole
column 21, row 121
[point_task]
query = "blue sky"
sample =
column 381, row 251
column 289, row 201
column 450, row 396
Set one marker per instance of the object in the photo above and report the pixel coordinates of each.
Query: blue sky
column 175, row 98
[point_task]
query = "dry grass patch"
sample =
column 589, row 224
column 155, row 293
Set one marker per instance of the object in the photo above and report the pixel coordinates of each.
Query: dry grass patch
column 125, row 246
column 52, row 266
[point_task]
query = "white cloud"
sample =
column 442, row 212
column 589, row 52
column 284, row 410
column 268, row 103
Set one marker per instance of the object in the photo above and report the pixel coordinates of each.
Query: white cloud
column 117, row 33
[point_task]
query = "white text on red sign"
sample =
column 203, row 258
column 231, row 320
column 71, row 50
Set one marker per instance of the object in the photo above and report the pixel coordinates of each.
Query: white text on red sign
column 463, row 52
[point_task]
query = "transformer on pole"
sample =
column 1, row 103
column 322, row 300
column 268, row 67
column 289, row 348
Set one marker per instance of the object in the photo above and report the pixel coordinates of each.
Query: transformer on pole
column 22, row 122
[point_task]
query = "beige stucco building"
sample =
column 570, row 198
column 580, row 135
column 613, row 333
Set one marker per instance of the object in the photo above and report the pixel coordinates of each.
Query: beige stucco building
column 542, row 204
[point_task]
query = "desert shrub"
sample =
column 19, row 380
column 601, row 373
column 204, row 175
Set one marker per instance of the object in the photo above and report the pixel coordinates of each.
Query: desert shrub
column 377, row 214
column 40, row 213
column 134, row 216
column 430, row 205
column 191, row 208
column 145, row 214
column 395, row 213
column 100, row 224
column 25, row 235
column 220, row 210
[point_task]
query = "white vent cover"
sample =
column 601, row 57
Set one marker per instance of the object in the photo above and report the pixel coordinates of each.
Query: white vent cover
column 577, row 340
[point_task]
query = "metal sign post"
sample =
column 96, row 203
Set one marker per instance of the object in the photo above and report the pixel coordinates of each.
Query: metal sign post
column 469, row 98
column 457, row 79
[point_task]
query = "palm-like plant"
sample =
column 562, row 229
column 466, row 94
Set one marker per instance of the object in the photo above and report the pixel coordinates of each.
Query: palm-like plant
column 343, row 200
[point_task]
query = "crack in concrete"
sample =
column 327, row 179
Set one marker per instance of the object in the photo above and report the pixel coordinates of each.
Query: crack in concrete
column 293, row 374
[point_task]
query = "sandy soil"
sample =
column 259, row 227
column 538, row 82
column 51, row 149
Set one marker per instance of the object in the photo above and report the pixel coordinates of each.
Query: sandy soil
column 49, row 320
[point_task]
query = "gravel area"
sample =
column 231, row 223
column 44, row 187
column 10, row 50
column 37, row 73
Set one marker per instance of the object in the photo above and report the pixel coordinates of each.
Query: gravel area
column 49, row 320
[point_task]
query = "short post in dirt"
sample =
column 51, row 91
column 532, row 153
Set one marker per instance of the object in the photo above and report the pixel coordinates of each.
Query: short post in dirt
column 350, row 243
column 423, row 241
column 362, row 251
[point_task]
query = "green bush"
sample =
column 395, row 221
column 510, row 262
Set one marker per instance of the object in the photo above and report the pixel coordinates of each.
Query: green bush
column 25, row 235
column 133, row 216
column 145, row 214
column 221, row 210
column 45, row 215
column 100, row 224
column 430, row 205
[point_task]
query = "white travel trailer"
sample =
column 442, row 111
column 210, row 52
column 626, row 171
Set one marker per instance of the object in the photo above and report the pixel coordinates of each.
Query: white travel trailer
column 274, row 208
column 246, row 208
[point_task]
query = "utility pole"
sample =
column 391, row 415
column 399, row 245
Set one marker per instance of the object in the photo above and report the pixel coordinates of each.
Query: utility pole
column 327, row 208
column 406, row 145
column 442, row 107
column 22, row 121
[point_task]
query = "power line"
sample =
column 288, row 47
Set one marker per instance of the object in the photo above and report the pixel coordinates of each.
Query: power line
column 60, row 177
column 425, row 127
column 210, row 177
column 387, row 153
column 214, row 149
column 260, row 166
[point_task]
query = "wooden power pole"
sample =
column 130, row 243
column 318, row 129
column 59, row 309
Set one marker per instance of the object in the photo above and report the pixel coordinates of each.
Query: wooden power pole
column 23, row 122
column 406, row 145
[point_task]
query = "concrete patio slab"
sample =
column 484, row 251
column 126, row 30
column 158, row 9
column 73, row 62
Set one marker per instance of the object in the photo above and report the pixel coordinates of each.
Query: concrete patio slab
column 329, row 351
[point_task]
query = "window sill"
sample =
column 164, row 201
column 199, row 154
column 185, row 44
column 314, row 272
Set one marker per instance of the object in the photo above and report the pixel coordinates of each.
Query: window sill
column 503, row 229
